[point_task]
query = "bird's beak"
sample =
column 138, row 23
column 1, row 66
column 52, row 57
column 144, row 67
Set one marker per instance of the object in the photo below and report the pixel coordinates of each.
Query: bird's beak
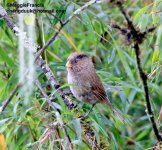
column 68, row 65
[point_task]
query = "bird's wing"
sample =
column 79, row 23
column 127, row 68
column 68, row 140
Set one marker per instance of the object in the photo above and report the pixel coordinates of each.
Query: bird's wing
column 100, row 94
column 99, row 91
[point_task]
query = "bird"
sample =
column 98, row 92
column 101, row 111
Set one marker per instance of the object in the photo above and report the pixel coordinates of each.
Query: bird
column 86, row 84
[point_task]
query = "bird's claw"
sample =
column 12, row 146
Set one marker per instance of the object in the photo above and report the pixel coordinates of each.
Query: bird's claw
column 82, row 117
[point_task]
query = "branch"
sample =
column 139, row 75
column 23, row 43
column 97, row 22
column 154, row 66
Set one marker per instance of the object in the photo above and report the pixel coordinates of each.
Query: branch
column 7, row 18
column 145, row 85
column 53, row 81
column 138, row 38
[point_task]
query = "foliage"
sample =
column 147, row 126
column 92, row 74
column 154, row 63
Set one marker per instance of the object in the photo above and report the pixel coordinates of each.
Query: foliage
column 24, row 124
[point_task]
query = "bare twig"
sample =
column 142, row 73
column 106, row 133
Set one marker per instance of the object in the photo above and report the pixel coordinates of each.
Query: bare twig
column 37, row 83
column 57, row 18
column 145, row 85
column 53, row 81
column 2, row 108
column 7, row 18
column 138, row 38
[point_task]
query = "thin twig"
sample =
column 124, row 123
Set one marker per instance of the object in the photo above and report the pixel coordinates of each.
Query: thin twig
column 53, row 81
column 2, row 108
column 57, row 18
column 7, row 18
column 36, row 82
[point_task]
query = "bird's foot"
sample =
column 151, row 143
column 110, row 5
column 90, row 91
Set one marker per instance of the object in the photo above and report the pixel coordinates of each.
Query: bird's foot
column 83, row 117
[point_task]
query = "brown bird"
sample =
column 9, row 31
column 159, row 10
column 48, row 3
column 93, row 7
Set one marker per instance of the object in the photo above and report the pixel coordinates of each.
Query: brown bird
column 87, row 85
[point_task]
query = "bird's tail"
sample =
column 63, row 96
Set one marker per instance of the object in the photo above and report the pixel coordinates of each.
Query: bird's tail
column 119, row 115
column 116, row 112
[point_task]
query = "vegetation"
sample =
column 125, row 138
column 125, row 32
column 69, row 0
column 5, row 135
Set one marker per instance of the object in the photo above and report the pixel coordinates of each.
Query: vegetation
column 100, row 30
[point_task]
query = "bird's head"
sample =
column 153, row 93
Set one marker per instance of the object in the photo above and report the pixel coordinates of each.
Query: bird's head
column 78, row 61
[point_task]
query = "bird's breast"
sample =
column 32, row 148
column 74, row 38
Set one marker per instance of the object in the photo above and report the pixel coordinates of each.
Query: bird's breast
column 81, row 88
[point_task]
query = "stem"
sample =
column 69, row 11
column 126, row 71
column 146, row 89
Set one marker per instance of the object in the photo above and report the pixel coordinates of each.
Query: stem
column 143, row 77
column 2, row 108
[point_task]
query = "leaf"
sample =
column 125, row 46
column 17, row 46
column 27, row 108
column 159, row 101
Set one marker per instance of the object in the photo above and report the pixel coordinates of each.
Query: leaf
column 144, row 21
column 56, row 105
column 56, row 45
column 114, row 141
column 111, row 58
column 22, row 139
column 159, row 39
column 100, row 122
column 59, row 14
column 143, row 132
column 3, row 121
column 157, row 3
column 5, row 58
column 160, row 117
column 140, row 13
column 88, row 25
column 156, row 56
column 122, row 59
column 54, row 56
column 70, row 40
column 78, row 129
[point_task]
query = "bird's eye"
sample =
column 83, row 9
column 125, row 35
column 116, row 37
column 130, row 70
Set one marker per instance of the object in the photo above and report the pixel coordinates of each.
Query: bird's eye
column 75, row 61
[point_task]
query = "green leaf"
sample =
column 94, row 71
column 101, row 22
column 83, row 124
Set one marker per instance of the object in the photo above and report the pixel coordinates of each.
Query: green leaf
column 3, row 121
column 144, row 21
column 88, row 24
column 156, row 56
column 59, row 14
column 22, row 139
column 56, row 45
column 140, row 13
column 122, row 59
column 5, row 58
column 159, row 39
column 78, row 129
